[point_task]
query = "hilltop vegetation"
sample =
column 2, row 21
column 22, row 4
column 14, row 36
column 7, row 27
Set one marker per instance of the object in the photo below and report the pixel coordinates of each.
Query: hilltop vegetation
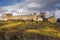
column 32, row 30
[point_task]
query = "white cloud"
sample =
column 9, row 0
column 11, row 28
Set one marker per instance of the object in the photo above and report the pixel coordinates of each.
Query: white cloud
column 32, row 0
column 25, row 6
column 9, row 8
column 57, row 13
column 33, row 5
column 48, row 14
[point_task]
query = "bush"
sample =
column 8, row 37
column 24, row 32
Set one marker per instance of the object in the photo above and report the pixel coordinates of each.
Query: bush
column 58, row 20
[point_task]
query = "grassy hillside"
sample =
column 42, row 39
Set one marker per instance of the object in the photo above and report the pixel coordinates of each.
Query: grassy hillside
column 32, row 30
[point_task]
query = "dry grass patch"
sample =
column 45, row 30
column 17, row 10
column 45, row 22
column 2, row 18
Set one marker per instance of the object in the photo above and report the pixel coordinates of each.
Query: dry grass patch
column 33, row 31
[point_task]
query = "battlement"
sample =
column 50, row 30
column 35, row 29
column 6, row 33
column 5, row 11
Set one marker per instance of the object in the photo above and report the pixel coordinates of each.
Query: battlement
column 33, row 16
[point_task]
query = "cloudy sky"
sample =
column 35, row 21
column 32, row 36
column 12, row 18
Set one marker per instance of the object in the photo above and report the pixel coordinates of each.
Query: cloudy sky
column 47, row 6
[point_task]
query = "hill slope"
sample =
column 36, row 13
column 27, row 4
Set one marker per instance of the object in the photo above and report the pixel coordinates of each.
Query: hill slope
column 25, row 28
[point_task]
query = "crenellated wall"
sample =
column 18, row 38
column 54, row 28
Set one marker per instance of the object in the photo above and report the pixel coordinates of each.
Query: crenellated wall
column 23, row 17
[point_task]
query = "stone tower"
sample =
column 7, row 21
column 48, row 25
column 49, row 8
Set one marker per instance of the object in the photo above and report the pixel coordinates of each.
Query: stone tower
column 54, row 14
column 42, row 14
column 52, row 18
column 35, row 16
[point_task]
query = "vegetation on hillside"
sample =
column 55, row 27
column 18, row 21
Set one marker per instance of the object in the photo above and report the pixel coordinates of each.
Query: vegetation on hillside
column 29, row 30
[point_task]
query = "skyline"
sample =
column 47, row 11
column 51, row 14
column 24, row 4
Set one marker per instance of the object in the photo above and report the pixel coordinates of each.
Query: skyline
column 31, row 6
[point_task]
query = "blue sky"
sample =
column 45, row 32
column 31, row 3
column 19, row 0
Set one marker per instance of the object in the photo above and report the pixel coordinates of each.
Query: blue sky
column 30, row 6
column 45, row 4
column 9, row 2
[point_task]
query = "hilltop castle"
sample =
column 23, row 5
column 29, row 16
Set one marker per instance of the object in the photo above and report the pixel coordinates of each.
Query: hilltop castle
column 33, row 16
